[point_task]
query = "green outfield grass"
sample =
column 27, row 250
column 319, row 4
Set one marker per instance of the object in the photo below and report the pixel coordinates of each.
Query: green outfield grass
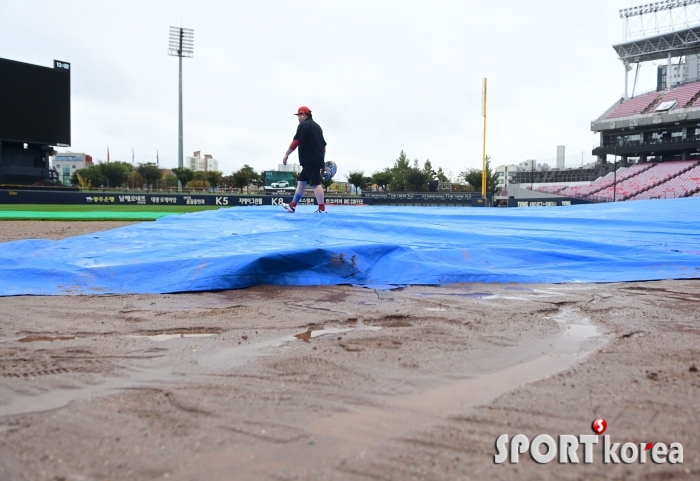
column 87, row 212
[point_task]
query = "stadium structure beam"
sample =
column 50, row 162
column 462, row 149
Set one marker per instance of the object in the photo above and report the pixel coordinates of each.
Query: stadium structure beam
column 678, row 43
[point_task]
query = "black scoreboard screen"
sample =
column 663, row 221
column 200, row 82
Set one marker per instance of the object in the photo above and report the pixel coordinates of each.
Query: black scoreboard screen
column 35, row 103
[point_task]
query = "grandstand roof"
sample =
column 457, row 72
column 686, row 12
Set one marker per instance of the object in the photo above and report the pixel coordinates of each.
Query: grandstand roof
column 679, row 42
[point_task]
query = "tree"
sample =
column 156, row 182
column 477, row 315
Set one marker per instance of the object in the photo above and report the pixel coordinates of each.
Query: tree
column 240, row 179
column 399, row 172
column 356, row 178
column 214, row 177
column 326, row 183
column 416, row 179
column 441, row 176
column 253, row 177
column 90, row 175
column 184, row 175
column 366, row 183
column 383, row 178
column 200, row 176
column 474, row 177
column 115, row 173
column 150, row 172
column 429, row 171
column 84, row 184
column 135, row 179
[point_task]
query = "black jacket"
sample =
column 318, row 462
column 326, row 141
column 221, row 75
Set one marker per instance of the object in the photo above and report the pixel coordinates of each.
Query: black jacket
column 312, row 145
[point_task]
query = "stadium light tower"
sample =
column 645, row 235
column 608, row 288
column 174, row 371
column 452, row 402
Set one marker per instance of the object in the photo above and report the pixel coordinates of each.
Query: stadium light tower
column 181, row 45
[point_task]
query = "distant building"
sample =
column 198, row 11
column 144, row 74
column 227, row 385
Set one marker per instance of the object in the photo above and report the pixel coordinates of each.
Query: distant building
column 561, row 157
column 532, row 165
column 67, row 163
column 289, row 168
column 199, row 164
column 505, row 171
column 683, row 72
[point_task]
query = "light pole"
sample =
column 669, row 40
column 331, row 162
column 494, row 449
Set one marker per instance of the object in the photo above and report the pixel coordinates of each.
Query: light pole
column 483, row 158
column 181, row 45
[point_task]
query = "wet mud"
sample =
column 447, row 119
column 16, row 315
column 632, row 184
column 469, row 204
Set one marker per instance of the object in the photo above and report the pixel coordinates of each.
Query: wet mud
column 345, row 383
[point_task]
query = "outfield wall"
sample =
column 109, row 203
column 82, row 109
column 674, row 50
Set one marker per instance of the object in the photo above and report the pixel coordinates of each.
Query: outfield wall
column 160, row 198
column 417, row 199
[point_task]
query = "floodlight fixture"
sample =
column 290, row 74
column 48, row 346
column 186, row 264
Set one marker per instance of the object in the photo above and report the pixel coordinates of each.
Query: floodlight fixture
column 181, row 44
column 655, row 7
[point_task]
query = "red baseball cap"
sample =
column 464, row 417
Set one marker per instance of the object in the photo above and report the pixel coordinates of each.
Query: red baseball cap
column 303, row 110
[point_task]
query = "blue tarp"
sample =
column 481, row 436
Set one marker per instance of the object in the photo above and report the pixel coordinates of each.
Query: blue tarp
column 374, row 246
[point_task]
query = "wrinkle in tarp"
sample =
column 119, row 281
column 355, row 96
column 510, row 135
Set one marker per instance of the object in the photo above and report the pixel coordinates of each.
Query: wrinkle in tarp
column 239, row 247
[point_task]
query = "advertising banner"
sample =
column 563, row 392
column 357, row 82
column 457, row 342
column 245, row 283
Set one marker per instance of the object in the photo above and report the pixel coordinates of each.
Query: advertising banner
column 280, row 182
column 160, row 198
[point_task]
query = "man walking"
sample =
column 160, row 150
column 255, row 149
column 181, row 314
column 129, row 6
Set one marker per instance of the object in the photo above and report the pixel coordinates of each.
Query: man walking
column 312, row 153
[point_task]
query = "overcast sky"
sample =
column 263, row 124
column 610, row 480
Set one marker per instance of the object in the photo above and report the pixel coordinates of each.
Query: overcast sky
column 379, row 76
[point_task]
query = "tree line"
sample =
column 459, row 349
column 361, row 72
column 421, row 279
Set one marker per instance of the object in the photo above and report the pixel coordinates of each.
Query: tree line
column 404, row 176
column 149, row 175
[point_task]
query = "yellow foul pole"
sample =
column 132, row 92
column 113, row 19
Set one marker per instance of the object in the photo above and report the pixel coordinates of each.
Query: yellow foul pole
column 483, row 158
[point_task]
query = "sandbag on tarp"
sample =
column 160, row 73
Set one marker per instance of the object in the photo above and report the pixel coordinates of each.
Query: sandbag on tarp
column 377, row 246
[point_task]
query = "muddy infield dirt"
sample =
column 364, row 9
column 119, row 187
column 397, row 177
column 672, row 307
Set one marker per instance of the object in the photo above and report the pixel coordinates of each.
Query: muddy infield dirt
column 341, row 382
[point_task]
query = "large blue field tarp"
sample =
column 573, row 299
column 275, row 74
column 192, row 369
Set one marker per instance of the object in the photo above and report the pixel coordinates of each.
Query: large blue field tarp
column 373, row 246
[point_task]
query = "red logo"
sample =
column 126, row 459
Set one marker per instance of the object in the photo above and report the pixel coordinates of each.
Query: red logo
column 599, row 426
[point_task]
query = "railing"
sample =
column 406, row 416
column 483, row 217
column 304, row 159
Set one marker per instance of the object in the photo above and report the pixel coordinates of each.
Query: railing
column 591, row 197
column 635, row 143
column 554, row 177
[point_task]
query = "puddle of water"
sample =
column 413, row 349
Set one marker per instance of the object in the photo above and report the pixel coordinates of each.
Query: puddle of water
column 45, row 338
column 345, row 434
column 460, row 294
column 306, row 336
column 168, row 337
column 385, row 295
column 434, row 309
column 221, row 359
column 553, row 293
column 518, row 289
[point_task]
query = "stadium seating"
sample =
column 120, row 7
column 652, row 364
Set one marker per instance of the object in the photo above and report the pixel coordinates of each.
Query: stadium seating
column 551, row 189
column 683, row 184
column 640, row 104
column 635, row 105
column 682, row 94
column 647, row 179
column 603, row 183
